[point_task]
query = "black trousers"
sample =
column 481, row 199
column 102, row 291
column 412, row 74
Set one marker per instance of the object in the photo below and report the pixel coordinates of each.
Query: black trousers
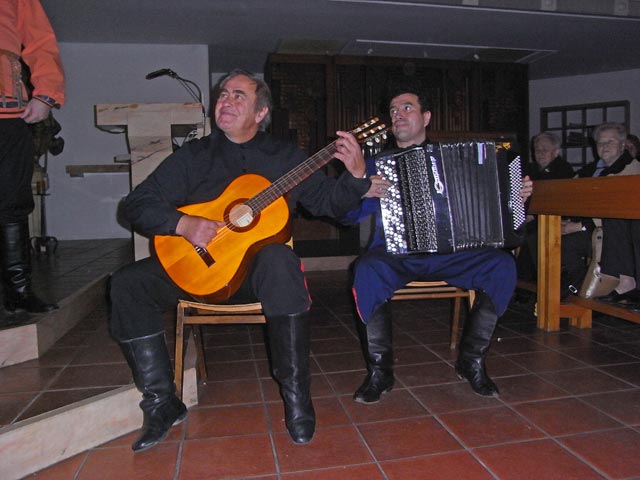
column 16, row 170
column 621, row 248
column 142, row 292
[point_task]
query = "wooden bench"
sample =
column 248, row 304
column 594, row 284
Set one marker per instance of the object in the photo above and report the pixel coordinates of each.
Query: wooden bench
column 605, row 197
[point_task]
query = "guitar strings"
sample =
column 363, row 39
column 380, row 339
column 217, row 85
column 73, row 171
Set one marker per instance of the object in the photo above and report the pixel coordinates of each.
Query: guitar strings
column 299, row 173
column 266, row 198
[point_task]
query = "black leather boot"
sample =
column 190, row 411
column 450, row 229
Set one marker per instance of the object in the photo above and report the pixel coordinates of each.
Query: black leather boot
column 149, row 361
column 476, row 338
column 377, row 345
column 15, row 260
column 289, row 342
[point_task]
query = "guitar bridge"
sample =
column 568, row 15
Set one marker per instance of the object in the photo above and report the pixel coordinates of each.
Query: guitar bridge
column 204, row 255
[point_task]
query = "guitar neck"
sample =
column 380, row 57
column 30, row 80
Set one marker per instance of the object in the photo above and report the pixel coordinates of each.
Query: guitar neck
column 292, row 178
column 368, row 131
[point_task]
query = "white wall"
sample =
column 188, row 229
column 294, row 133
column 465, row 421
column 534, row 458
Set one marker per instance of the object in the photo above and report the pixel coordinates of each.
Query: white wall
column 602, row 87
column 85, row 208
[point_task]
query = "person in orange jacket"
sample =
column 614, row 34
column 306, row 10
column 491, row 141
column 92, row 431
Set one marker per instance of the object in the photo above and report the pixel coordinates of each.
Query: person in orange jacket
column 25, row 35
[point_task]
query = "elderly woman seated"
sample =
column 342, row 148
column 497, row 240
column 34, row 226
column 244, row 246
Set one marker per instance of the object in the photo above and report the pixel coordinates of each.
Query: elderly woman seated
column 621, row 237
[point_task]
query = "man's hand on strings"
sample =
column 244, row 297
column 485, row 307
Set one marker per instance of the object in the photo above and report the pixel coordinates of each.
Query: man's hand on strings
column 199, row 231
column 350, row 153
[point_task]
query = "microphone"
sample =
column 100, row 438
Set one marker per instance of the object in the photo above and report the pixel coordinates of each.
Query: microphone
column 191, row 87
column 161, row 73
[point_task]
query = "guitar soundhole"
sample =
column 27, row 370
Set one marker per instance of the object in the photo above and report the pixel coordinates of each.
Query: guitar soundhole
column 241, row 216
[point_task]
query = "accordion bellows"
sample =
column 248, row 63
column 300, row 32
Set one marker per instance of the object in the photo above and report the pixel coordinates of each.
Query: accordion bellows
column 449, row 197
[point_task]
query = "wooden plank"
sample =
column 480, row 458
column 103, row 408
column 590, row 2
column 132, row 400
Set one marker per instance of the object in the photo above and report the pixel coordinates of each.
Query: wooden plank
column 549, row 228
column 607, row 309
column 117, row 114
column 80, row 170
column 603, row 197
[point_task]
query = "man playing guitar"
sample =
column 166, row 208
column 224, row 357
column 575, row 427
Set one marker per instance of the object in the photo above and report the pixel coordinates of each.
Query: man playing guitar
column 200, row 172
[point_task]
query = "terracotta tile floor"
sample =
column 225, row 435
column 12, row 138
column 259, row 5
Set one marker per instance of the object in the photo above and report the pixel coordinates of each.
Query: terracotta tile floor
column 569, row 408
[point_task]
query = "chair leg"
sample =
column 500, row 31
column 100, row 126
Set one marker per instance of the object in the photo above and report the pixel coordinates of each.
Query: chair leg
column 455, row 323
column 179, row 353
column 200, row 358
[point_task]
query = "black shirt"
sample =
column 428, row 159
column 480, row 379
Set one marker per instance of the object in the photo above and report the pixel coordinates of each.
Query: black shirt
column 202, row 169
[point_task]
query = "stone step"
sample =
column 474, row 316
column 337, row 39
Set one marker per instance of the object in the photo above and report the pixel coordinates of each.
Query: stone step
column 34, row 338
column 46, row 439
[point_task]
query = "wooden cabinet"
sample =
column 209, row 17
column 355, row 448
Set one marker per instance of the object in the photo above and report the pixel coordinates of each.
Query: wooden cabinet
column 316, row 95
column 574, row 125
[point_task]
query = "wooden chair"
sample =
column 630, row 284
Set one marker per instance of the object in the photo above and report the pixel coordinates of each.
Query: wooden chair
column 193, row 313
column 426, row 290
column 197, row 314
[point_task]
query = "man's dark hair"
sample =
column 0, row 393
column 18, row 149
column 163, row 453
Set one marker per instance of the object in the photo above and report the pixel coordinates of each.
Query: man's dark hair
column 414, row 88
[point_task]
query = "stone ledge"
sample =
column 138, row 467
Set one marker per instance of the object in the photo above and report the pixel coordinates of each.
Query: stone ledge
column 32, row 340
column 41, row 441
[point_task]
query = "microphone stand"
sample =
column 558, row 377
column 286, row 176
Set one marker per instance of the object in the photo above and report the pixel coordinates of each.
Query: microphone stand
column 190, row 86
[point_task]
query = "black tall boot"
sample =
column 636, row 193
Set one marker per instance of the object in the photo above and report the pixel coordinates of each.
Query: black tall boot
column 149, row 361
column 377, row 345
column 476, row 338
column 289, row 342
column 15, row 261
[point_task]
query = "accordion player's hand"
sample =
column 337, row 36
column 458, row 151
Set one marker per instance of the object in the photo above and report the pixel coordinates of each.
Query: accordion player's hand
column 527, row 188
column 379, row 187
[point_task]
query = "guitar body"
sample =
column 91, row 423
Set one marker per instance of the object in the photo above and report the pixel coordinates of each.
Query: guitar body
column 255, row 214
column 216, row 276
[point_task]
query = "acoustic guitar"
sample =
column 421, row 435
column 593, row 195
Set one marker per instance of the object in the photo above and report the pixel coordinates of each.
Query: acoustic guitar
column 254, row 213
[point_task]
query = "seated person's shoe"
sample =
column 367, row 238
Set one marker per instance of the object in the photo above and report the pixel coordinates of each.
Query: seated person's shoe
column 632, row 296
column 474, row 372
column 158, row 420
column 300, row 418
column 375, row 384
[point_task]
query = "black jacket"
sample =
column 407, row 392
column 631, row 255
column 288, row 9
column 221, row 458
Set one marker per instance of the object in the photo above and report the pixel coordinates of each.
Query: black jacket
column 202, row 169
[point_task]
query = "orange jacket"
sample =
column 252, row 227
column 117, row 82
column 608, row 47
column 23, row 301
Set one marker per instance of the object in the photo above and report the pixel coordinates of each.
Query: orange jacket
column 25, row 32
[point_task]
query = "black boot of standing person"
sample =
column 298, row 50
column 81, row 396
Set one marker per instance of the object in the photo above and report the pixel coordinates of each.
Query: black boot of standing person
column 15, row 262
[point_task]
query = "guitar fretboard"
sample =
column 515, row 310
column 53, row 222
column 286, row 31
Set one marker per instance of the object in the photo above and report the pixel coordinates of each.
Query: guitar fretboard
column 292, row 178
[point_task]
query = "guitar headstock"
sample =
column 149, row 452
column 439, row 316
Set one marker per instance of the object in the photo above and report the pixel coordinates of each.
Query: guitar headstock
column 370, row 132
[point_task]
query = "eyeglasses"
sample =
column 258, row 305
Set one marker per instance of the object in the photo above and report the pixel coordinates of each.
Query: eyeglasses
column 610, row 143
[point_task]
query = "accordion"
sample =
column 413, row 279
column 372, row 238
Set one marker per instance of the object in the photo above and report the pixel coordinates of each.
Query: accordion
column 451, row 196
